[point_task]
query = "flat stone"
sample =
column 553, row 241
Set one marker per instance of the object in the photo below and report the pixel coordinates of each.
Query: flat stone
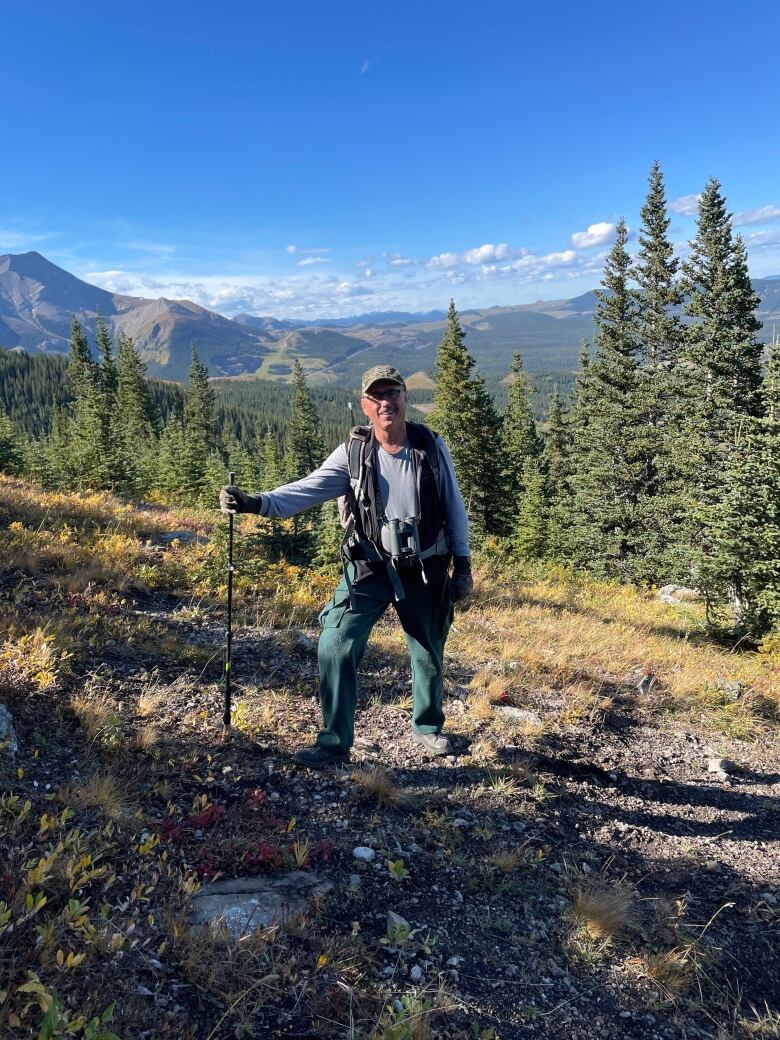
column 521, row 714
column 7, row 733
column 721, row 765
column 243, row 905
column 678, row 594
column 364, row 854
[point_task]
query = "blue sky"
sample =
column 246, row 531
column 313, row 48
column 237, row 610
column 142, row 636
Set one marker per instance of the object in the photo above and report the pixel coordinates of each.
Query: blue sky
column 327, row 158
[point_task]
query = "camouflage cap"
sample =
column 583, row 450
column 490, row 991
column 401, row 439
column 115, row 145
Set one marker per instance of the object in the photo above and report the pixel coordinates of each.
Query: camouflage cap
column 378, row 372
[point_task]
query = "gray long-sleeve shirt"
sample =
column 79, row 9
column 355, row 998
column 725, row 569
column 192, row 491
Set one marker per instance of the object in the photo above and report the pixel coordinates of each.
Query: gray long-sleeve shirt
column 397, row 488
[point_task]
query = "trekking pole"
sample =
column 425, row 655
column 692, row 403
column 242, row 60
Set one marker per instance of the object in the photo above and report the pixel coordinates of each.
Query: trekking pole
column 229, row 641
column 351, row 413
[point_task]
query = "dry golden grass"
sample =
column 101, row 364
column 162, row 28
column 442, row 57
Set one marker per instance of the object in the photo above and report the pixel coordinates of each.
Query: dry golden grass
column 93, row 712
column 579, row 633
column 673, row 971
column 510, row 859
column 150, row 701
column 378, row 784
column 602, row 913
column 101, row 791
column 146, row 737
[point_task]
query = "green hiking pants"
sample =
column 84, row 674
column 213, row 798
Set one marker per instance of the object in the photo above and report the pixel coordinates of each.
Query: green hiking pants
column 425, row 615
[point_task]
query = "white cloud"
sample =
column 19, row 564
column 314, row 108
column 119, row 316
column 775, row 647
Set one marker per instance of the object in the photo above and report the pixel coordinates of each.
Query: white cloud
column 309, row 260
column 297, row 249
column 10, row 239
column 366, row 65
column 762, row 215
column 396, row 260
column 687, row 205
column 596, row 235
column 443, row 260
column 479, row 255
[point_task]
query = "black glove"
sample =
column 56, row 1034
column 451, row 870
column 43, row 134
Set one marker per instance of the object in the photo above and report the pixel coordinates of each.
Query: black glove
column 233, row 500
column 461, row 582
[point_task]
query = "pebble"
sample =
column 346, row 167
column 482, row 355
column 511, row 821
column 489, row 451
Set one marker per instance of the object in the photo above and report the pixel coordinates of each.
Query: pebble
column 416, row 973
column 364, row 854
column 395, row 920
column 721, row 765
column 355, row 881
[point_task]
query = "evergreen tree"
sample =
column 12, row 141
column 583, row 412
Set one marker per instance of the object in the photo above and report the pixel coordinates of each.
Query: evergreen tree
column 83, row 445
column 742, row 573
column 198, row 431
column 659, row 336
column 464, row 415
column 608, row 484
column 272, row 461
column 557, row 449
column 520, row 442
column 721, row 384
column 329, row 536
column 557, row 466
column 11, row 451
column 136, row 419
column 304, row 439
column 168, row 476
column 530, row 535
column 109, row 377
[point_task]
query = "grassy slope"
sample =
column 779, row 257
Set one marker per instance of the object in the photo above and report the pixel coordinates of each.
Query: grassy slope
column 572, row 858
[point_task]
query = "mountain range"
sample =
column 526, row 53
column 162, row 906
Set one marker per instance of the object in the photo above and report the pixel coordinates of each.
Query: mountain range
column 38, row 299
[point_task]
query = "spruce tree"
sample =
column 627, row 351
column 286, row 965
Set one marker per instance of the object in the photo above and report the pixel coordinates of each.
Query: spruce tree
column 557, row 448
column 198, row 430
column 721, row 374
column 136, row 419
column 464, row 415
column 530, row 535
column 11, row 453
column 83, row 446
column 741, row 575
column 109, row 376
column 304, row 439
column 520, row 441
column 329, row 536
column 168, row 476
column 659, row 335
column 557, row 467
column 608, row 484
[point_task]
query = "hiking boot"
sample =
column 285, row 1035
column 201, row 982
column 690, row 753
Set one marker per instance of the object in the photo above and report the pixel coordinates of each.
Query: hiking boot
column 317, row 756
column 436, row 743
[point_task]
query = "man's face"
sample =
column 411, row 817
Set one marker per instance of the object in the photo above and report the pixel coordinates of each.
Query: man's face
column 384, row 404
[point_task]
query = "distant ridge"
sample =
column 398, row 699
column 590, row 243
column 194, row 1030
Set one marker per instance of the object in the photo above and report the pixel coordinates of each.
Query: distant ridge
column 37, row 299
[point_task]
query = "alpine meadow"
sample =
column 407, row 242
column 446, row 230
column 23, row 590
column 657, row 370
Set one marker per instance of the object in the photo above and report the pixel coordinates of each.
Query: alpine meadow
column 592, row 850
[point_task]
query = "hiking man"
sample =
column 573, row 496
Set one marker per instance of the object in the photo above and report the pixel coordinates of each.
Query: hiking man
column 405, row 520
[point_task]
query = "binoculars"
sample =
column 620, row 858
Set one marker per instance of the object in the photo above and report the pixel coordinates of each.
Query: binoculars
column 404, row 542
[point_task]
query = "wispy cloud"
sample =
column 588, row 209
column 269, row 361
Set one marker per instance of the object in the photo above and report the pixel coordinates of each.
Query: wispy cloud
column 762, row 215
column 597, row 235
column 366, row 65
column 163, row 249
column 685, row 205
column 297, row 249
column 14, row 239
column 309, row 260
column 396, row 260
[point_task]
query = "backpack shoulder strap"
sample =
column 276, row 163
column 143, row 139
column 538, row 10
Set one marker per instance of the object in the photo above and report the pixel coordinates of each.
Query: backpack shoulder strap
column 424, row 439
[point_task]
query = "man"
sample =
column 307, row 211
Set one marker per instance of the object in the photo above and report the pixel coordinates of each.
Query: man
column 405, row 519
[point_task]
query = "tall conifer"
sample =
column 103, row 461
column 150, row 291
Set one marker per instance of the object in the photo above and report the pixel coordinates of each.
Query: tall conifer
column 659, row 336
column 304, row 439
column 721, row 384
column 520, row 441
column 464, row 415
column 608, row 484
